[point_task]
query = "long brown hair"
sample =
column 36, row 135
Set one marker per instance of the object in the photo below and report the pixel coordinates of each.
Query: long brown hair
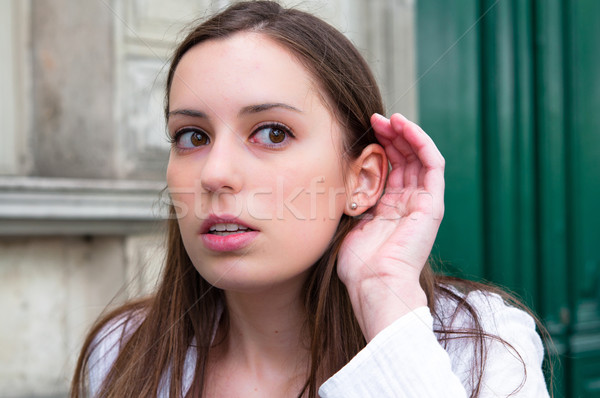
column 185, row 308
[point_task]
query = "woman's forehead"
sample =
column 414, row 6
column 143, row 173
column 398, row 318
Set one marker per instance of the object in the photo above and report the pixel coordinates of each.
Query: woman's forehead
column 245, row 68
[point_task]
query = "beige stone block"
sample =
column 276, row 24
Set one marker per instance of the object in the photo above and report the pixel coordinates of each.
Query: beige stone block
column 51, row 290
column 145, row 255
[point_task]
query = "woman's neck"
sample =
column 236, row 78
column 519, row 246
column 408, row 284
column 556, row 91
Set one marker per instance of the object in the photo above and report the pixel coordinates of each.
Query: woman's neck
column 267, row 325
column 267, row 340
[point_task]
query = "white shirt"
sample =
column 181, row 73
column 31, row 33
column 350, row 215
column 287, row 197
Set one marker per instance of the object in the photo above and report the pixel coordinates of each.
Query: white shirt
column 406, row 359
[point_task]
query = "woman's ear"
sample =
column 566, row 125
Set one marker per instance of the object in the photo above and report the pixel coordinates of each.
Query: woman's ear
column 366, row 180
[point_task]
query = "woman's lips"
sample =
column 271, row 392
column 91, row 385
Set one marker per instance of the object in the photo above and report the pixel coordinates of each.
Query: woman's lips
column 225, row 233
column 228, row 242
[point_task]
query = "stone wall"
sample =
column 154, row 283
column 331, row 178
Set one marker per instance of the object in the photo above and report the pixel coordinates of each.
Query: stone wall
column 83, row 156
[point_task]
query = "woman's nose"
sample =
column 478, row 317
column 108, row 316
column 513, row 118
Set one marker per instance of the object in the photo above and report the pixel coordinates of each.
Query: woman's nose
column 221, row 172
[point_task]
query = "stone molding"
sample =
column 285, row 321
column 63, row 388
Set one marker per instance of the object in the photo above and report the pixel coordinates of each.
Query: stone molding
column 54, row 206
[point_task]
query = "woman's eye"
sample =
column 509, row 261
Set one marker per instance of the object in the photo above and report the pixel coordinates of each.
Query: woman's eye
column 271, row 135
column 190, row 138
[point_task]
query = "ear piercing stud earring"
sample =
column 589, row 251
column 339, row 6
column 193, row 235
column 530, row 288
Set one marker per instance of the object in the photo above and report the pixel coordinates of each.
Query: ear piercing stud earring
column 353, row 206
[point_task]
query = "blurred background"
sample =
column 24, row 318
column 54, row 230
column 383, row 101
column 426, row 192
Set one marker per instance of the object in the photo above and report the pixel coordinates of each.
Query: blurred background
column 508, row 89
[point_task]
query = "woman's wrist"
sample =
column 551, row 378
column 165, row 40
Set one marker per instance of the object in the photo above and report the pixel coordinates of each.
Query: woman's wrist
column 378, row 304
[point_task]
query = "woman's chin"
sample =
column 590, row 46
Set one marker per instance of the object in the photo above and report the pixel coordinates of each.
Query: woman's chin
column 242, row 282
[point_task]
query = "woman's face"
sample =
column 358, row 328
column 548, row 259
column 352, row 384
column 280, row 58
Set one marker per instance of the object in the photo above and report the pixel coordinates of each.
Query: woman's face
column 255, row 172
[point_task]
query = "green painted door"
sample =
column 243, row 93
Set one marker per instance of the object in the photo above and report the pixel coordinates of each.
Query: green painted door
column 510, row 91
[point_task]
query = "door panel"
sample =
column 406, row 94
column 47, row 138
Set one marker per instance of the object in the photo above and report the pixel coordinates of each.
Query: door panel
column 510, row 91
column 449, row 98
column 582, row 138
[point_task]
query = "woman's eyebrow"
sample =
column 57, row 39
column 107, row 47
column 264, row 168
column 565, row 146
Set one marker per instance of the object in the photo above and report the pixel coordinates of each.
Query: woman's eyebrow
column 245, row 110
column 188, row 112
column 265, row 107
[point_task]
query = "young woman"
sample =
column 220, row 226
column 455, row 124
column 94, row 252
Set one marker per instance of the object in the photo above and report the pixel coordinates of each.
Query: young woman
column 297, row 265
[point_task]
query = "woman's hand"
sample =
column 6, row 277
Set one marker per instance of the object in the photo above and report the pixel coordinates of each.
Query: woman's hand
column 381, row 259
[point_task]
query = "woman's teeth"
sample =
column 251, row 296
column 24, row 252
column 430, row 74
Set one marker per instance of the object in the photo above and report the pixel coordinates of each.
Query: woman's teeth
column 227, row 229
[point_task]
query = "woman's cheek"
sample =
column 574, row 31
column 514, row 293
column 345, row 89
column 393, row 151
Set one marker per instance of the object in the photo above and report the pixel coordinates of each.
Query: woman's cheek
column 260, row 203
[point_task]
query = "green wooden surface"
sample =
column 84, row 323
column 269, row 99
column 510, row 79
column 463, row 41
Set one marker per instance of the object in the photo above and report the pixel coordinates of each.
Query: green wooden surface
column 510, row 92
column 550, row 110
column 583, row 143
column 450, row 73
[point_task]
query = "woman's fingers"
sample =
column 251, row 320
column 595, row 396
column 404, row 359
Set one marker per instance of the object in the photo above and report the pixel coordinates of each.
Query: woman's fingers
column 431, row 177
column 396, row 147
column 421, row 144
column 382, row 125
column 415, row 159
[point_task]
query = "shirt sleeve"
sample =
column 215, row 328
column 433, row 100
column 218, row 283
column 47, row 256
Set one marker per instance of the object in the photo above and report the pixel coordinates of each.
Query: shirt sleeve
column 105, row 349
column 406, row 359
column 403, row 360
column 107, row 345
